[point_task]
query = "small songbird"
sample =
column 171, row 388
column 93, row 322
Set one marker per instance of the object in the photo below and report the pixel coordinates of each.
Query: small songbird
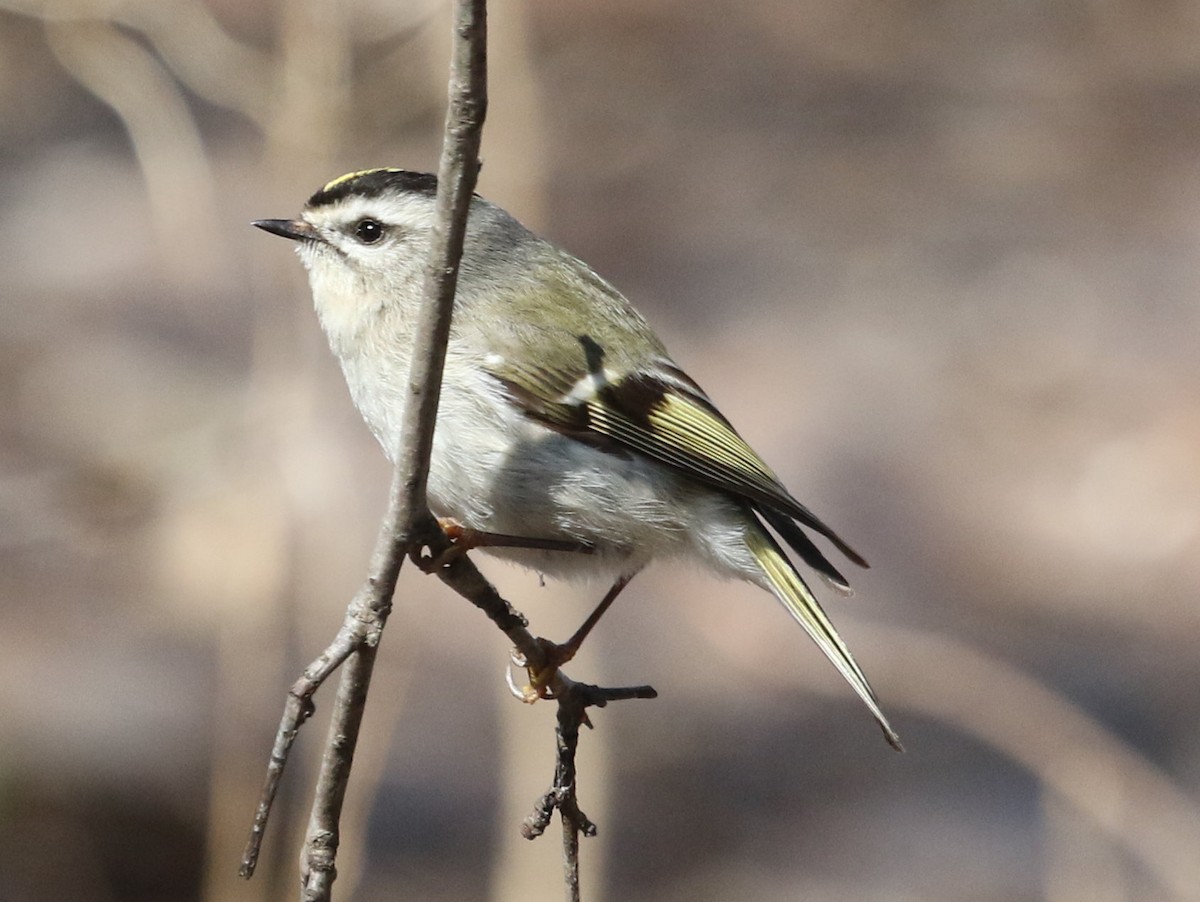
column 563, row 420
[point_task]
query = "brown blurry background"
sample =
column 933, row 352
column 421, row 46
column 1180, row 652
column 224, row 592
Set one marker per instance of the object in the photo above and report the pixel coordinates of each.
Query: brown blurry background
column 936, row 260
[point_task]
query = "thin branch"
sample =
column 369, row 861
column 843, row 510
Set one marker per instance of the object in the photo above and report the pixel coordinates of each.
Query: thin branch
column 573, row 701
column 408, row 525
column 317, row 861
column 457, row 174
column 461, row 574
column 409, row 529
column 1071, row 753
column 362, row 628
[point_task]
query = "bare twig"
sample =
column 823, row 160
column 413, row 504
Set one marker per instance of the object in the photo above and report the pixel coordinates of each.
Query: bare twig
column 461, row 574
column 409, row 529
column 457, row 173
column 408, row 525
column 362, row 628
column 573, row 701
column 317, row 860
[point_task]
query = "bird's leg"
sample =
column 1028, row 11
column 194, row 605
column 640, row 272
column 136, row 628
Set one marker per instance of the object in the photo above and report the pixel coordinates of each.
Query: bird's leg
column 464, row 539
column 556, row 655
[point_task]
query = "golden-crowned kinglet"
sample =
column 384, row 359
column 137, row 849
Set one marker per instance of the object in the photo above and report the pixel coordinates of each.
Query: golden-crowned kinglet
column 562, row 416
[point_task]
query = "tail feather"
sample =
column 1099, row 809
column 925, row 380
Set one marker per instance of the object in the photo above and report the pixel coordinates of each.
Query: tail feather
column 803, row 546
column 796, row 596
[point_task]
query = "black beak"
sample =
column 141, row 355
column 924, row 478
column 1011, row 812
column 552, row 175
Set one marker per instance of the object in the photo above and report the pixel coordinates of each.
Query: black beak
column 296, row 229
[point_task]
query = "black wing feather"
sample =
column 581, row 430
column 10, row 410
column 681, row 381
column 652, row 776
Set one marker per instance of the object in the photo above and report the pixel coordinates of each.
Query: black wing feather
column 669, row 418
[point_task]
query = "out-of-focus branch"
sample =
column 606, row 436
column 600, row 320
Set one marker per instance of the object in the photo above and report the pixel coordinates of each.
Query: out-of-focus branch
column 219, row 68
column 1070, row 753
column 127, row 77
column 190, row 40
column 303, row 135
column 1057, row 742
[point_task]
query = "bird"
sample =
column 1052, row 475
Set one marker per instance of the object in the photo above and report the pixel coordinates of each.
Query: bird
column 563, row 420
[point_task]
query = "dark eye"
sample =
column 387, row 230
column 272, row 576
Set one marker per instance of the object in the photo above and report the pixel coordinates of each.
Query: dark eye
column 368, row 231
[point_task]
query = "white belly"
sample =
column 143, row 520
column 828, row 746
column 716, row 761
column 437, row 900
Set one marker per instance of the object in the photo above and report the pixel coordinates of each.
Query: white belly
column 494, row 469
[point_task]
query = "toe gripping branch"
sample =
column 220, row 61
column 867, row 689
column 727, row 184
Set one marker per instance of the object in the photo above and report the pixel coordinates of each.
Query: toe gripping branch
column 461, row 539
column 431, row 549
column 445, row 555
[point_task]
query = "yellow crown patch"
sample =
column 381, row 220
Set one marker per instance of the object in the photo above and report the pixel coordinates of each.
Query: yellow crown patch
column 353, row 175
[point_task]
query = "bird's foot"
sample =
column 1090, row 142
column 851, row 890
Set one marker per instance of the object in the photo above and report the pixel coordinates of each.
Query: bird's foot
column 544, row 676
column 464, row 538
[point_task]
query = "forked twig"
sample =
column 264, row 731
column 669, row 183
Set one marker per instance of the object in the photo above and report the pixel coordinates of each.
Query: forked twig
column 573, row 701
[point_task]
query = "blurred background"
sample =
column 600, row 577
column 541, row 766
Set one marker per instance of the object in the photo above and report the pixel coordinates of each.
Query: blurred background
column 936, row 260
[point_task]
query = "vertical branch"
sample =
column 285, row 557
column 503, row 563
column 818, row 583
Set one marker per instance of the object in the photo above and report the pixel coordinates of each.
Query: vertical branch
column 408, row 522
column 457, row 174
column 409, row 528
column 317, row 860
column 574, row 821
column 573, row 701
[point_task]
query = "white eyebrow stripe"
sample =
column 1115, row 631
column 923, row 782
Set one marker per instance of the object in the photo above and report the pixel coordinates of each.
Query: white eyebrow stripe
column 405, row 211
